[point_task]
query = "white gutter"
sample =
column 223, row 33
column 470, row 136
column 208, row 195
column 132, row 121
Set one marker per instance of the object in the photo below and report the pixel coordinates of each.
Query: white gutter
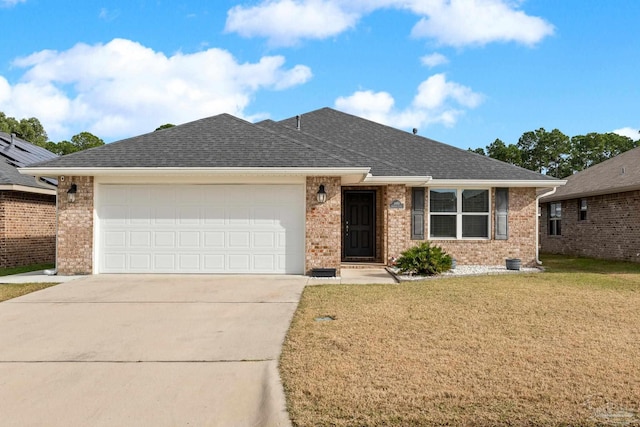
column 495, row 183
column 27, row 189
column 548, row 193
column 416, row 181
column 286, row 171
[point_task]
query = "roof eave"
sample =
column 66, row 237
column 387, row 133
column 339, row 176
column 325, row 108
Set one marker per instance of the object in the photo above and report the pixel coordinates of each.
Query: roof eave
column 27, row 189
column 357, row 174
column 592, row 193
column 541, row 183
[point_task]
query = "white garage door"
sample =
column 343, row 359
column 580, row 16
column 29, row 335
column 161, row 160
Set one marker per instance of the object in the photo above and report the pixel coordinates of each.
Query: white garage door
column 201, row 229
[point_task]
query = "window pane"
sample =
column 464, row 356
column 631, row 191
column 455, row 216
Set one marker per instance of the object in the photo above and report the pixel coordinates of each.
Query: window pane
column 475, row 201
column 443, row 200
column 475, row 226
column 443, row 226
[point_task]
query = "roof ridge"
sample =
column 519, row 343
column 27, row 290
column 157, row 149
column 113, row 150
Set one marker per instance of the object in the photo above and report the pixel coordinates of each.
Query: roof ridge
column 311, row 147
column 346, row 148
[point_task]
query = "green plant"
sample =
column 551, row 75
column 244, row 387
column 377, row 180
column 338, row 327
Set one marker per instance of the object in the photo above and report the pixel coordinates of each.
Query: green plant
column 424, row 259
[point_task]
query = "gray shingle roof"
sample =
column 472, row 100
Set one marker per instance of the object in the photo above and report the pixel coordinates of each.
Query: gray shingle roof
column 615, row 175
column 218, row 141
column 15, row 153
column 419, row 155
column 328, row 138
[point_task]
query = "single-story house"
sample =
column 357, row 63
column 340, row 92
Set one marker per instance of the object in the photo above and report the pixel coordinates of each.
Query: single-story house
column 27, row 206
column 223, row 195
column 597, row 213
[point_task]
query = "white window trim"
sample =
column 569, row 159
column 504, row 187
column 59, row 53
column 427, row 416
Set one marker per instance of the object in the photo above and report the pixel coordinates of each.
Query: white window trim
column 459, row 214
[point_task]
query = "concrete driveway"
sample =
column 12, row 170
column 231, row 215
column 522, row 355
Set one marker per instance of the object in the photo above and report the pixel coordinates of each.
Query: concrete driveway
column 147, row 350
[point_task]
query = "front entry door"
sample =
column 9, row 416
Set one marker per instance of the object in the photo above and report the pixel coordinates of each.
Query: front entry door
column 359, row 224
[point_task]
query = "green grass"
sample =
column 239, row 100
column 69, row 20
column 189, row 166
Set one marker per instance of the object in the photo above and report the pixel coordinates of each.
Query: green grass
column 552, row 348
column 13, row 290
column 24, row 269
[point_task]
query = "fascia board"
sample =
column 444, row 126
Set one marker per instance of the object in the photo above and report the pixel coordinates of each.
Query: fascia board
column 495, row 183
column 418, row 181
column 289, row 171
column 26, row 189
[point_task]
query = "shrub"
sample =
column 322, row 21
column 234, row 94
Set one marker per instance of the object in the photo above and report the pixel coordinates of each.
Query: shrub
column 424, row 259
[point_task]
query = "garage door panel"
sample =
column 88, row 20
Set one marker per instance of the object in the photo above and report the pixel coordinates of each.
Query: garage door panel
column 164, row 239
column 212, row 229
column 140, row 239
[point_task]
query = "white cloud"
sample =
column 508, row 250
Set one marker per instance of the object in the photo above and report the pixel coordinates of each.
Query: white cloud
column 434, row 59
column 10, row 3
column 629, row 132
column 449, row 22
column 123, row 88
column 478, row 22
column 437, row 101
column 285, row 22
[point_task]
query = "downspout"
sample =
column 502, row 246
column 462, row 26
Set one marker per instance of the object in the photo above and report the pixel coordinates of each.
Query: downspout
column 548, row 193
column 54, row 271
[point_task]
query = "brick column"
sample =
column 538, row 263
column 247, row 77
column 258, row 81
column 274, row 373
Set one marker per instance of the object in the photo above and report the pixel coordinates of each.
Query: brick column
column 323, row 225
column 398, row 221
column 75, row 227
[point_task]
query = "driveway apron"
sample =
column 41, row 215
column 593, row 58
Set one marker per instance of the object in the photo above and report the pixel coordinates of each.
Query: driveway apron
column 147, row 350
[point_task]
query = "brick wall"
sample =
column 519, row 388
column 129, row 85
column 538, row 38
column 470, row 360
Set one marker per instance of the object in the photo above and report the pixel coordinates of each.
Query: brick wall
column 75, row 227
column 522, row 226
column 27, row 229
column 398, row 221
column 611, row 230
column 323, row 225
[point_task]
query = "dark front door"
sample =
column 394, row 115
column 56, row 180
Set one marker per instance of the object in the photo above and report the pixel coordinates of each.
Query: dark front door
column 359, row 224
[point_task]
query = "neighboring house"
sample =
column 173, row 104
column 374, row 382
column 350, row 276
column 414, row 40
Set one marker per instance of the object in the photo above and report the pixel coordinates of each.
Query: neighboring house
column 597, row 213
column 27, row 206
column 222, row 195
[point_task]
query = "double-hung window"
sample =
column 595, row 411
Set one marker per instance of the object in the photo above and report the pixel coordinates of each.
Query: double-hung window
column 459, row 214
column 555, row 219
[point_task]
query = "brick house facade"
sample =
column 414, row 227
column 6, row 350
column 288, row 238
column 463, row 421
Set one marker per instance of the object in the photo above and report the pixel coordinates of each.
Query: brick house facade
column 610, row 229
column 597, row 213
column 237, row 197
column 27, row 228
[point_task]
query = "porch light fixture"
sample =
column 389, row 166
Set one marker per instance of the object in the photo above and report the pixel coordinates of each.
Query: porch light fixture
column 322, row 195
column 71, row 193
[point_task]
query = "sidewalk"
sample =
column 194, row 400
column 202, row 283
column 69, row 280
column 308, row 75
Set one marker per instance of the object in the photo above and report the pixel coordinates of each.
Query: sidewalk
column 36, row 277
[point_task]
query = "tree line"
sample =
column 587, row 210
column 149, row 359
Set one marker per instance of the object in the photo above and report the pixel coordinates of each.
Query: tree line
column 556, row 154
column 31, row 130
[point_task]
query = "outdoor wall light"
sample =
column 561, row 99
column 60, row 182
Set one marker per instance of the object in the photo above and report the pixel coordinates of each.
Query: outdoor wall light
column 71, row 193
column 322, row 195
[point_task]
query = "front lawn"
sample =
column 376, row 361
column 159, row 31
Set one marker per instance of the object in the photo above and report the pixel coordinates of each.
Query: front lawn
column 554, row 348
column 13, row 290
column 25, row 269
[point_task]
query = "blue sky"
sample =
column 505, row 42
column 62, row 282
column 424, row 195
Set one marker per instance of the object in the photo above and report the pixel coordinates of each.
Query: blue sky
column 464, row 72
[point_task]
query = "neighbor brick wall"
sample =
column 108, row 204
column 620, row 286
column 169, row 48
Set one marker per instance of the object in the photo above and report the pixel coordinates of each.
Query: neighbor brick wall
column 323, row 225
column 522, row 227
column 27, row 229
column 75, row 227
column 611, row 230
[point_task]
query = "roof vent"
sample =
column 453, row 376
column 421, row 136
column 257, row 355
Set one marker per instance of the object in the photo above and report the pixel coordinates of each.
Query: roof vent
column 298, row 121
column 13, row 135
column 415, row 131
column 622, row 172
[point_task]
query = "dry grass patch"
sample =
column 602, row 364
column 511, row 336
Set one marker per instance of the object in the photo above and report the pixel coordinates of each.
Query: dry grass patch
column 8, row 291
column 538, row 349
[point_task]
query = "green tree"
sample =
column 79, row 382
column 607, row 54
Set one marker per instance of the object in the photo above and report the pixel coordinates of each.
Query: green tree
column 545, row 152
column 593, row 148
column 79, row 142
column 164, row 126
column 478, row 150
column 30, row 129
column 507, row 153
